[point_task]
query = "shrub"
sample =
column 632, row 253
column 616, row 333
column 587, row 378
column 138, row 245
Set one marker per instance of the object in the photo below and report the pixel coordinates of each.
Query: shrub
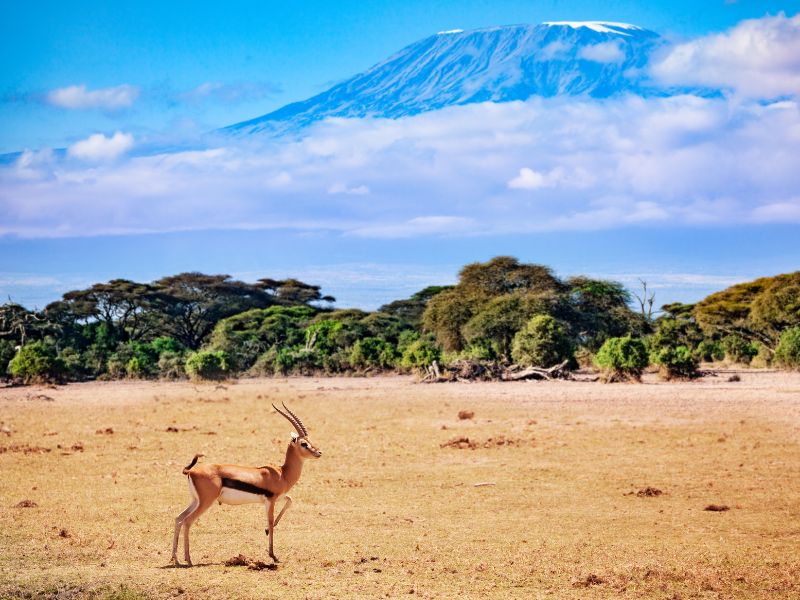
column 542, row 342
column 160, row 345
column 207, row 365
column 738, row 349
column 420, row 354
column 133, row 359
column 622, row 358
column 73, row 362
column 171, row 365
column 36, row 362
column 676, row 363
column 709, row 351
column 372, row 352
column 787, row 353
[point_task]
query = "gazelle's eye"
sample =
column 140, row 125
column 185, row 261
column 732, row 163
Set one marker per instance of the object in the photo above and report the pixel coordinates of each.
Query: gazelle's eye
column 304, row 445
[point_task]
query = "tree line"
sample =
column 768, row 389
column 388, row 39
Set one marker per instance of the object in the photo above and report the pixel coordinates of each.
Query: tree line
column 501, row 312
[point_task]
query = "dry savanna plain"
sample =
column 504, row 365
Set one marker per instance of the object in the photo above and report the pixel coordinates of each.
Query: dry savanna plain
column 549, row 490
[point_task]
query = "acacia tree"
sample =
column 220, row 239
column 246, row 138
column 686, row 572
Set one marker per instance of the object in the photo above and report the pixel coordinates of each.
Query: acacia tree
column 448, row 313
column 124, row 306
column 293, row 291
column 191, row 304
column 601, row 310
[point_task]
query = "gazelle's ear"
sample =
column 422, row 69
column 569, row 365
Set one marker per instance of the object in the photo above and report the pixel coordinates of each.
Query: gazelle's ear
column 294, row 436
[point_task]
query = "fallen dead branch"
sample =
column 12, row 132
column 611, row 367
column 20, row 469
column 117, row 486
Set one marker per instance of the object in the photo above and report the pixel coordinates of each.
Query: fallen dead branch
column 471, row 370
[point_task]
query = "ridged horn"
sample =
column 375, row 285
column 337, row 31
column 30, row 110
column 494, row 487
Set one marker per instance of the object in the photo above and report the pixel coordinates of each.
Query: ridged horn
column 296, row 418
column 291, row 420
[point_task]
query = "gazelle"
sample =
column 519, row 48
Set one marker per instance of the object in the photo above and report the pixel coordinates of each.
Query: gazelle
column 234, row 484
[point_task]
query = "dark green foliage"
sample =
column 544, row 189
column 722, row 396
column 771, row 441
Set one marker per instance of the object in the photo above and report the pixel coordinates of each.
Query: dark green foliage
column 622, row 358
column 208, row 365
column 738, row 349
column 410, row 310
column 190, row 304
column 710, row 351
column 133, row 359
column 293, row 291
column 542, row 342
column 373, row 352
column 7, row 352
column 601, row 310
column 676, row 362
column 36, row 362
column 788, row 352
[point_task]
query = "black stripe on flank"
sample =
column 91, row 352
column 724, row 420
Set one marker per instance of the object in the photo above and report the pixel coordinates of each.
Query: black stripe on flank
column 242, row 486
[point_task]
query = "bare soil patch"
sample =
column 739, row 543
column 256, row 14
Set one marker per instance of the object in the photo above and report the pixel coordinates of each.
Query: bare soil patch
column 393, row 508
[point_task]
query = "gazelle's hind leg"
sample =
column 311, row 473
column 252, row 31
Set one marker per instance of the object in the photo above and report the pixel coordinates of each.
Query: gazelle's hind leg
column 182, row 517
column 203, row 505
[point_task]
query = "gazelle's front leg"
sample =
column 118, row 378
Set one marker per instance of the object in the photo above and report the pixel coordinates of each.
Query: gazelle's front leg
column 271, row 528
column 286, row 505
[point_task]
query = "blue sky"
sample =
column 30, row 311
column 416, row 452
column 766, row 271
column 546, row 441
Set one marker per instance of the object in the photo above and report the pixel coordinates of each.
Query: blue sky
column 266, row 53
column 690, row 193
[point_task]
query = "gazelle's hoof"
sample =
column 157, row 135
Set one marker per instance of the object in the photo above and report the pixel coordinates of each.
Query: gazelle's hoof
column 274, row 558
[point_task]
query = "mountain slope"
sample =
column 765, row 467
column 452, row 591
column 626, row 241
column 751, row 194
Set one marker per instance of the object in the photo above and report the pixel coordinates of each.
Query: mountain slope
column 497, row 64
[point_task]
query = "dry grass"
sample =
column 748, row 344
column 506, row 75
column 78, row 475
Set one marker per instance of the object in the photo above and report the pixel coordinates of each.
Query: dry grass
column 389, row 512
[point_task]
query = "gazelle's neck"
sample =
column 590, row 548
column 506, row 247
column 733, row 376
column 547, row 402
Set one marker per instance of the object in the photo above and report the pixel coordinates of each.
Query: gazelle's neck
column 292, row 466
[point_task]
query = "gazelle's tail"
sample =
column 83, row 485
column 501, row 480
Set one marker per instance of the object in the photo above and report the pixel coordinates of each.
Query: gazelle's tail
column 188, row 467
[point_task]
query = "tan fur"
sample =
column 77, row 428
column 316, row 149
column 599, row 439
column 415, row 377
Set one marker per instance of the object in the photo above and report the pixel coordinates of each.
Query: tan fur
column 206, row 487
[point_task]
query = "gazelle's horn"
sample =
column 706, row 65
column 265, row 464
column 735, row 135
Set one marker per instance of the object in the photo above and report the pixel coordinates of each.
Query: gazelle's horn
column 296, row 418
column 294, row 423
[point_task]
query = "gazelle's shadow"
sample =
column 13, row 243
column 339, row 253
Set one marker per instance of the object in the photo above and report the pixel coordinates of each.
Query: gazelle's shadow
column 182, row 566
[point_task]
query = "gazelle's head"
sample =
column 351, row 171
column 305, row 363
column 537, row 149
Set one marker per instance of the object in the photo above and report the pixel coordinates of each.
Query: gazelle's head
column 300, row 441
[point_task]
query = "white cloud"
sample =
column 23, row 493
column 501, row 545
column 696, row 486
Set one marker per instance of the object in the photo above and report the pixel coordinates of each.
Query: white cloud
column 98, row 147
column 229, row 93
column 78, row 97
column 343, row 188
column 605, row 52
column 758, row 58
column 575, row 164
column 528, row 179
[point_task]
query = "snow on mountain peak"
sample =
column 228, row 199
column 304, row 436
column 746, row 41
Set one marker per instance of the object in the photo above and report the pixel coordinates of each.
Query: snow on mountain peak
column 449, row 31
column 599, row 26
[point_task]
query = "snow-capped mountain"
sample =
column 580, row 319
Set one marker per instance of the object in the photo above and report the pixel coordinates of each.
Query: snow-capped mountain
column 497, row 64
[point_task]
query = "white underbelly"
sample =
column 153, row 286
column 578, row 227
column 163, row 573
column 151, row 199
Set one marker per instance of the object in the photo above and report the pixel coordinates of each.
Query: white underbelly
column 231, row 496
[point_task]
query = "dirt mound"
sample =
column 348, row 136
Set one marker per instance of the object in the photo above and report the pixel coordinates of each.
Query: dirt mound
column 649, row 492
column 26, row 504
column 240, row 560
column 464, row 443
column 24, row 449
column 590, row 579
column 465, row 415
column 717, row 507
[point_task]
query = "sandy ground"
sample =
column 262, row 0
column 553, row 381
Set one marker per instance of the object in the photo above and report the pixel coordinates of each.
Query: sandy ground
column 388, row 511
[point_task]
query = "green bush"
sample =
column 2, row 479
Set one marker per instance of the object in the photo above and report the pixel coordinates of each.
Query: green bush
column 622, row 358
column 709, row 351
column 133, row 359
column 738, row 349
column 787, row 353
column 73, row 362
column 36, row 362
column 208, row 365
column 372, row 352
column 163, row 344
column 419, row 353
column 676, row 363
column 542, row 342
